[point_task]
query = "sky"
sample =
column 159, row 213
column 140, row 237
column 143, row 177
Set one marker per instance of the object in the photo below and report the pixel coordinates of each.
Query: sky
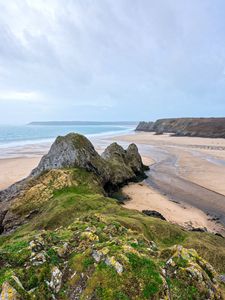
column 106, row 60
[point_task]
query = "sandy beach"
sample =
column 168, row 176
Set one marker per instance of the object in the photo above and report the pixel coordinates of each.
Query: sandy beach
column 188, row 171
column 15, row 169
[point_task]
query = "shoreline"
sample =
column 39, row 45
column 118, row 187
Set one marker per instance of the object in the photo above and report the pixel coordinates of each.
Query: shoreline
column 142, row 197
column 188, row 159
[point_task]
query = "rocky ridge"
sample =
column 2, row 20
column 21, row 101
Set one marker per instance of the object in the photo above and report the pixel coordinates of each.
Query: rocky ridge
column 95, row 258
column 67, row 240
column 199, row 127
column 114, row 168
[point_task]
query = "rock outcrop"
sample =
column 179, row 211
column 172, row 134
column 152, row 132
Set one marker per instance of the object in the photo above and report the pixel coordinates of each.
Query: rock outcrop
column 199, row 127
column 113, row 169
column 106, row 260
column 70, row 151
column 124, row 165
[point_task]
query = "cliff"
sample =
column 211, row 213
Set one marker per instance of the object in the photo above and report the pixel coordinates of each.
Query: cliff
column 199, row 127
column 66, row 239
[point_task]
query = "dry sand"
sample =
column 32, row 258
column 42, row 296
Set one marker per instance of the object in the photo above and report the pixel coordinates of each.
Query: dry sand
column 143, row 197
column 15, row 169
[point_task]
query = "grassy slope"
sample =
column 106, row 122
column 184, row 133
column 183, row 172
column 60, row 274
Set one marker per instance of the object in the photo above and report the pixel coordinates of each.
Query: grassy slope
column 84, row 199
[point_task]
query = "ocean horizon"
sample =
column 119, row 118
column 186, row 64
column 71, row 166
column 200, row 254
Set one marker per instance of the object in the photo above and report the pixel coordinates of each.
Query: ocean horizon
column 18, row 136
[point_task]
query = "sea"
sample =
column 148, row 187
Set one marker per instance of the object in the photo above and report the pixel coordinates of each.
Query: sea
column 16, row 140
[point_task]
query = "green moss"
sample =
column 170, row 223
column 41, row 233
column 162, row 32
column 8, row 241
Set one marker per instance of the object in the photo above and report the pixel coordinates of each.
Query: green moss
column 87, row 262
column 105, row 281
column 182, row 291
column 124, row 233
column 15, row 252
column 148, row 273
column 53, row 257
column 5, row 274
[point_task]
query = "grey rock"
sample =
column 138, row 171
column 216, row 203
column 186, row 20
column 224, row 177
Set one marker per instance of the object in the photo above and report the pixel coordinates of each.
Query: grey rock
column 56, row 280
column 153, row 213
column 72, row 150
column 114, row 168
column 9, row 293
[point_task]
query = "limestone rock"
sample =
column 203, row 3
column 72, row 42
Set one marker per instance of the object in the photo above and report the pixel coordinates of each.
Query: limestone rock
column 116, row 167
column 56, row 280
column 72, row 150
column 111, row 261
column 62, row 251
column 9, row 293
column 133, row 159
column 125, row 165
column 38, row 258
column 186, row 263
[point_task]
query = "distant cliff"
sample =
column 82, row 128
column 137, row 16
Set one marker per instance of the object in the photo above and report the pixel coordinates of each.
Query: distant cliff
column 199, row 127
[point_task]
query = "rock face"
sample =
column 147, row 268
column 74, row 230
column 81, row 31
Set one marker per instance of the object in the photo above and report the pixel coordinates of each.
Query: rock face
column 114, row 168
column 75, row 150
column 200, row 127
column 72, row 150
column 145, row 126
column 124, row 165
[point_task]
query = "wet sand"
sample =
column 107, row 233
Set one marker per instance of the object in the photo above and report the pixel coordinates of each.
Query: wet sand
column 189, row 171
column 143, row 197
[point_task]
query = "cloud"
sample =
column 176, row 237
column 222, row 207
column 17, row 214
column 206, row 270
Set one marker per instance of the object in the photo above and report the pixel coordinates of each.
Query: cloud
column 86, row 56
column 20, row 96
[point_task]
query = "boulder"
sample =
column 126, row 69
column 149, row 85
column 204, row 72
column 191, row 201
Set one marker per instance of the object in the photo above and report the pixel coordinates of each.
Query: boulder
column 154, row 214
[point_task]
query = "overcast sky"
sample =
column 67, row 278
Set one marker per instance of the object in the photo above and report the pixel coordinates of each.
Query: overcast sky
column 111, row 59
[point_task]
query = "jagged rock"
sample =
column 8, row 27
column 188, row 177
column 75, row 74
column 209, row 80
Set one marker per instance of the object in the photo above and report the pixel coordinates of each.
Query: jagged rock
column 134, row 160
column 198, row 273
column 145, row 126
column 111, row 261
column 9, row 293
column 63, row 250
column 222, row 278
column 72, row 150
column 153, row 213
column 125, row 165
column 113, row 169
column 115, row 155
column 37, row 244
column 56, row 280
column 97, row 255
column 38, row 258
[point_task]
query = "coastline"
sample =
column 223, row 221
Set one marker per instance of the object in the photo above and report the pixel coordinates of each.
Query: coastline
column 193, row 157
